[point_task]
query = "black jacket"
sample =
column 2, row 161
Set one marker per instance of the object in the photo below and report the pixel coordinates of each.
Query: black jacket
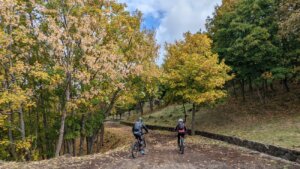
column 142, row 126
column 177, row 128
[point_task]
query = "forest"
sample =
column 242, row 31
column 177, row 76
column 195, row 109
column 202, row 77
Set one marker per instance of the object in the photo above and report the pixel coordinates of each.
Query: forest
column 67, row 65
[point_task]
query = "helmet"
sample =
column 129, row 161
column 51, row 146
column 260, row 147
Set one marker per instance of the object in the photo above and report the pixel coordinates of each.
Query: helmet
column 180, row 120
column 140, row 119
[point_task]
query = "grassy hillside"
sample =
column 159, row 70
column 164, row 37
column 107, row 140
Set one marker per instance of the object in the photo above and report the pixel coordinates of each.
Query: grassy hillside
column 276, row 122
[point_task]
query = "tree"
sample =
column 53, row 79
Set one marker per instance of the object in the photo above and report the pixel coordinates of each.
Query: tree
column 246, row 36
column 194, row 73
column 15, row 53
column 289, row 32
column 69, row 60
column 289, row 16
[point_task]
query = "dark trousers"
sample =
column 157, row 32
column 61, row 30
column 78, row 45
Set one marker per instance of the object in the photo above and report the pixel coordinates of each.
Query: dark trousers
column 138, row 136
column 180, row 135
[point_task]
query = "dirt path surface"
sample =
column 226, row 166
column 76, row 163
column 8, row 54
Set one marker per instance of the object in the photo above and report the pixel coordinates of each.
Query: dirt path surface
column 162, row 153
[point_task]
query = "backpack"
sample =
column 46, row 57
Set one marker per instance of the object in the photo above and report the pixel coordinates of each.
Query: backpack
column 181, row 128
column 137, row 127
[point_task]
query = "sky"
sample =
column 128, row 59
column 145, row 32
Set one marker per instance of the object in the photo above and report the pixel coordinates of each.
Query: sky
column 171, row 18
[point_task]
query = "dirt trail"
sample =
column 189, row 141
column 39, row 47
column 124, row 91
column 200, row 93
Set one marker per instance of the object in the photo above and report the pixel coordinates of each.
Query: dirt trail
column 162, row 153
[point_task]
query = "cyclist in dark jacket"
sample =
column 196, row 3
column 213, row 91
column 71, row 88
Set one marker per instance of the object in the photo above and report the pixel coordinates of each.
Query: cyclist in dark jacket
column 137, row 130
column 181, row 130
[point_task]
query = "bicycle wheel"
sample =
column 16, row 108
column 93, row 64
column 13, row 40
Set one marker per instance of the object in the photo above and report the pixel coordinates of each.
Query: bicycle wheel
column 135, row 150
column 181, row 145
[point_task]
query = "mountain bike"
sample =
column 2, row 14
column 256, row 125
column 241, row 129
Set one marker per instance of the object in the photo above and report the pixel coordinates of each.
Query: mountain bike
column 181, row 145
column 138, row 146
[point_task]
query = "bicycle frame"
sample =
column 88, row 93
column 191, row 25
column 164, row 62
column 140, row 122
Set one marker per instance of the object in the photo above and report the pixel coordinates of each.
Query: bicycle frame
column 181, row 145
column 138, row 146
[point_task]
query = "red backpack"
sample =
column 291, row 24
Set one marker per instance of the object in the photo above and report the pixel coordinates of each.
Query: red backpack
column 181, row 128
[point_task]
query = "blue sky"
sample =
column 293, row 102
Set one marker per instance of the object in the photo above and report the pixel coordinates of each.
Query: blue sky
column 171, row 18
column 151, row 22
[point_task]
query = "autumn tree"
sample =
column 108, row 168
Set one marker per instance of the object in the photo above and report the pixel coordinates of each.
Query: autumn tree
column 194, row 72
column 67, row 60
column 145, row 85
column 16, row 68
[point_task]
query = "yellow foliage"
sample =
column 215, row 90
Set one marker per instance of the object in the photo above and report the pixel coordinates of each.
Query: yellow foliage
column 71, row 106
column 267, row 75
column 193, row 72
column 23, row 146
column 38, row 71
column 16, row 96
column 4, row 142
column 2, row 120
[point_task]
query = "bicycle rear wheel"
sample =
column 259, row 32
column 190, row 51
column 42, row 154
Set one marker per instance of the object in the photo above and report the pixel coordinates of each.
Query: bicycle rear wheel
column 144, row 142
column 181, row 145
column 135, row 150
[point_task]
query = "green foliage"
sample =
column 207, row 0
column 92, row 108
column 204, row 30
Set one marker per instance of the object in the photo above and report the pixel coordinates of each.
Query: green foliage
column 289, row 31
column 245, row 35
column 72, row 128
column 93, row 123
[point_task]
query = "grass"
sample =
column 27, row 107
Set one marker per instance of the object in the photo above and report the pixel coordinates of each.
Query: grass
column 276, row 122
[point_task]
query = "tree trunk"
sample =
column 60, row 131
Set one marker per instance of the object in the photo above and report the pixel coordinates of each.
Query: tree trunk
column 193, row 118
column 141, row 108
column 259, row 95
column 98, row 142
column 64, row 115
column 265, row 89
column 90, row 144
column 243, row 89
column 81, row 145
column 102, row 135
column 61, row 133
column 272, row 87
column 22, row 124
column 74, row 147
column 87, row 145
column 69, row 144
column 137, row 108
column 285, row 83
column 82, row 128
column 151, row 104
column 22, row 127
column 10, row 136
column 250, row 85
column 64, row 147
column 234, row 90
column 184, row 111
column 37, row 128
column 112, row 102
column 47, row 139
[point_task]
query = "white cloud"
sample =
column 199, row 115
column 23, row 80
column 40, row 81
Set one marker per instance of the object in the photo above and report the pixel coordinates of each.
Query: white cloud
column 179, row 16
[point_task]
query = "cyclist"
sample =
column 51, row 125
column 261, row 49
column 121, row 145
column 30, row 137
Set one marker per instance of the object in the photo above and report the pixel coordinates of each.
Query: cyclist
column 137, row 130
column 181, row 130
